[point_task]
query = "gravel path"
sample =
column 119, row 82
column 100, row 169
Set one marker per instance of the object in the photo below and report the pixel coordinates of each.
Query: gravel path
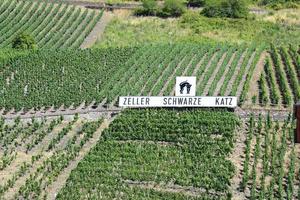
column 221, row 81
column 280, row 114
column 213, row 76
column 237, row 159
column 236, row 72
column 171, row 77
column 241, row 86
column 61, row 180
column 206, row 68
column 97, row 31
column 253, row 86
column 87, row 112
column 197, row 67
column 184, row 73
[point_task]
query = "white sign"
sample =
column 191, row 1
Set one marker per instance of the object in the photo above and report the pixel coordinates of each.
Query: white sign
column 185, row 86
column 171, row 101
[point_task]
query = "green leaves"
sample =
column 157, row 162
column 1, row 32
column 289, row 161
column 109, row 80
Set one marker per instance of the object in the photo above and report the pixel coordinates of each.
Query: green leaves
column 161, row 147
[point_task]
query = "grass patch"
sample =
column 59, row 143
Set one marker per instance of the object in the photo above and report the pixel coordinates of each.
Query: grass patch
column 192, row 27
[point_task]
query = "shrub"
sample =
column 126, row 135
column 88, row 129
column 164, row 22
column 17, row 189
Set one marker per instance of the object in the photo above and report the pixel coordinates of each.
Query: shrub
column 280, row 4
column 150, row 8
column 24, row 41
column 196, row 3
column 173, row 8
column 226, row 8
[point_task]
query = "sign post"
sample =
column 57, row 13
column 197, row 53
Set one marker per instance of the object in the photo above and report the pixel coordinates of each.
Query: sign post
column 297, row 115
column 171, row 101
column 185, row 96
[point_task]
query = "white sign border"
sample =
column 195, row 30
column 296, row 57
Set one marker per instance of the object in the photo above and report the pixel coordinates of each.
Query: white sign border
column 160, row 101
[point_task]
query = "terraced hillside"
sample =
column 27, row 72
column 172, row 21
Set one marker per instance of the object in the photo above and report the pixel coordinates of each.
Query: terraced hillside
column 37, row 155
column 158, row 154
column 52, row 25
column 67, row 78
column 270, row 166
column 279, row 83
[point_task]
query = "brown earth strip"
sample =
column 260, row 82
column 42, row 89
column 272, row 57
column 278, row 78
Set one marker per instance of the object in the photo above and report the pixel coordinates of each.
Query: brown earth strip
column 173, row 188
column 237, row 159
column 21, row 181
column 198, row 65
column 172, row 93
column 236, row 72
column 211, row 79
column 220, row 82
column 61, row 180
column 171, row 77
column 206, row 68
column 97, row 32
column 241, row 85
column 253, row 89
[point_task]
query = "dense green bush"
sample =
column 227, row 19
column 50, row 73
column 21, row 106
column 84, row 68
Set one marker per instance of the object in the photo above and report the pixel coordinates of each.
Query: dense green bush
column 196, row 3
column 150, row 8
column 226, row 8
column 171, row 8
column 280, row 4
column 24, row 41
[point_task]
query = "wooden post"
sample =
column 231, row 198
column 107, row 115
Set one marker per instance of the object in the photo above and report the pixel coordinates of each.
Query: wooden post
column 297, row 116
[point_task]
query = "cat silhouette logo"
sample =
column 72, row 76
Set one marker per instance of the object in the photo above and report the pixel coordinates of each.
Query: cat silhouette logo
column 185, row 86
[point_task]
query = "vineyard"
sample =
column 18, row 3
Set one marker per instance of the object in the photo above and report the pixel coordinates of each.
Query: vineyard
column 64, row 65
column 52, row 25
column 35, row 153
column 271, row 160
column 279, row 83
column 150, row 154
column 70, row 78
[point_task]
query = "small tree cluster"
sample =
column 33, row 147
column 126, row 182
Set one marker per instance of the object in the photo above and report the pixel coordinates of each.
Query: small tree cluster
column 279, row 4
column 170, row 8
column 226, row 8
column 196, row 3
column 24, row 41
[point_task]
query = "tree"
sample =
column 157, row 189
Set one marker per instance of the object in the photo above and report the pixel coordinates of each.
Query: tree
column 173, row 8
column 24, row 41
column 196, row 3
column 150, row 8
column 226, row 8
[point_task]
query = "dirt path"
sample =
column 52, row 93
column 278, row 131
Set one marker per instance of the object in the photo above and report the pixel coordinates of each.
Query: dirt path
column 159, row 78
column 285, row 74
column 198, row 65
column 244, row 78
column 97, row 32
column 21, row 181
column 45, row 155
column 206, row 68
column 87, row 112
column 220, row 82
column 275, row 114
column 7, row 174
column 236, row 72
column 213, row 76
column 184, row 73
column 61, row 180
column 43, row 144
column 237, row 159
column 171, row 77
column 276, row 81
column 22, row 157
column 255, row 77
column 173, row 188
